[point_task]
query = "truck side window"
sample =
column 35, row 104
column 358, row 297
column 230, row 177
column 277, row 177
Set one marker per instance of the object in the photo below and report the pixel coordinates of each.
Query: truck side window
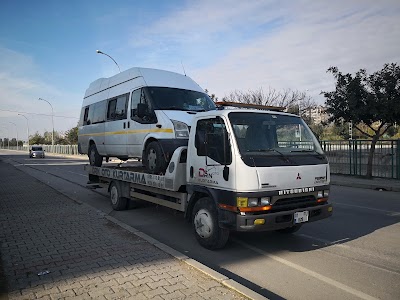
column 212, row 140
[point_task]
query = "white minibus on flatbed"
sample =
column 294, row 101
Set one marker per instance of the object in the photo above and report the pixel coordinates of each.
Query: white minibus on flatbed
column 139, row 113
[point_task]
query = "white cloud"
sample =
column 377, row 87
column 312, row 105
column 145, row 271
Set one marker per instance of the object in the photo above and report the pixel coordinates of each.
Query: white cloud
column 20, row 87
column 247, row 45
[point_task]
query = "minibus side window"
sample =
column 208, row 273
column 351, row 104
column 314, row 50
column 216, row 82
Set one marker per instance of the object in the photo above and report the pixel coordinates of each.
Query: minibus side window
column 140, row 96
column 117, row 108
column 98, row 112
column 85, row 116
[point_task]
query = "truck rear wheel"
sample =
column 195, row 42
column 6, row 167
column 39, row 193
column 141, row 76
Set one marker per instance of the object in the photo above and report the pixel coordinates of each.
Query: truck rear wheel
column 292, row 229
column 154, row 159
column 95, row 159
column 117, row 202
column 206, row 227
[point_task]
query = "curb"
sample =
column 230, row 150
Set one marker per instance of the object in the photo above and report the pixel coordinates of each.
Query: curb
column 229, row 283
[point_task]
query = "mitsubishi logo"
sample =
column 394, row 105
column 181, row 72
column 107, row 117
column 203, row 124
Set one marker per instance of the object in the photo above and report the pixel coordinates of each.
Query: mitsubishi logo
column 298, row 176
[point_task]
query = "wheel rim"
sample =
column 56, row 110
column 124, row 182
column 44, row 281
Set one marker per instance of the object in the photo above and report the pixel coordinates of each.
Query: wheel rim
column 203, row 223
column 114, row 195
column 152, row 159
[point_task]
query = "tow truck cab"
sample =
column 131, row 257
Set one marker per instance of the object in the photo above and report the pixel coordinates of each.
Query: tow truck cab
column 263, row 169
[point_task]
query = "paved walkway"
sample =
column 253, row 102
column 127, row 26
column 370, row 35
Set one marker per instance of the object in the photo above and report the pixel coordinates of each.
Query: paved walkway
column 55, row 248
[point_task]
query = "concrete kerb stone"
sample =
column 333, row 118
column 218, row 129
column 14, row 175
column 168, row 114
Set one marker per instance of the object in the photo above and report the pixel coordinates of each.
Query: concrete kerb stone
column 230, row 283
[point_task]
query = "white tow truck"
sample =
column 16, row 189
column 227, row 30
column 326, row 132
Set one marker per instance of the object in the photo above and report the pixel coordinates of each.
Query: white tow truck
column 245, row 168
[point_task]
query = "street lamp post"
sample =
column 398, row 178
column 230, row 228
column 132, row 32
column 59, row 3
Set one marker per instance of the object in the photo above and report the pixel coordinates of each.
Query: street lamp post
column 8, row 136
column 52, row 121
column 100, row 52
column 27, row 127
column 16, row 129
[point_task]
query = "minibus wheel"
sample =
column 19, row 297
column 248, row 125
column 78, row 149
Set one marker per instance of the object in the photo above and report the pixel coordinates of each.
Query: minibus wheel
column 154, row 159
column 94, row 157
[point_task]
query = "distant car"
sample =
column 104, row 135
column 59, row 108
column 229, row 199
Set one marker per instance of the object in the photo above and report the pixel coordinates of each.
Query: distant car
column 36, row 151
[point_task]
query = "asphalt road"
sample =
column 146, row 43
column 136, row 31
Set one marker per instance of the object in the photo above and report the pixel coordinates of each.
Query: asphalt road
column 355, row 254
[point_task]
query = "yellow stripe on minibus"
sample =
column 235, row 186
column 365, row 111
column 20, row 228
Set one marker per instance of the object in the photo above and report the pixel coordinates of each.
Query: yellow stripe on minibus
column 167, row 130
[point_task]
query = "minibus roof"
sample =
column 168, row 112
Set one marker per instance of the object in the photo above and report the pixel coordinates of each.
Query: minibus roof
column 152, row 77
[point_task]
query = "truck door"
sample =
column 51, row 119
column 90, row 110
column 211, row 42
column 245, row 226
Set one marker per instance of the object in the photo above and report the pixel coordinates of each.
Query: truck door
column 211, row 161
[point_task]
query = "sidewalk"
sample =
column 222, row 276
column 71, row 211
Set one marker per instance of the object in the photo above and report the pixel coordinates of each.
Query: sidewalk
column 55, row 248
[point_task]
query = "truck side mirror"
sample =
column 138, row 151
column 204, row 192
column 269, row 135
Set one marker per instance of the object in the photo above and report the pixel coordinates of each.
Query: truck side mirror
column 141, row 110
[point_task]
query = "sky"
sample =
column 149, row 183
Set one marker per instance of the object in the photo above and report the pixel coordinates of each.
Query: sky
column 48, row 48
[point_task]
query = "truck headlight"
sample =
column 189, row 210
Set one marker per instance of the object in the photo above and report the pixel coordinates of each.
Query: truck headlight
column 265, row 201
column 252, row 202
column 181, row 129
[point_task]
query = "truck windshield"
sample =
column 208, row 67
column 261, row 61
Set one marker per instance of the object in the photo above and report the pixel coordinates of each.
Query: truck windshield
column 261, row 134
column 178, row 99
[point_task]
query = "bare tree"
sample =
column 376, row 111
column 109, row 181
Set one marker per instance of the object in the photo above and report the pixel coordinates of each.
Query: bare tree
column 294, row 101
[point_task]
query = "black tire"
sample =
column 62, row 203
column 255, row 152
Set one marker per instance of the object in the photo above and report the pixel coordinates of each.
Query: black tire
column 117, row 202
column 292, row 229
column 154, row 159
column 206, row 227
column 95, row 159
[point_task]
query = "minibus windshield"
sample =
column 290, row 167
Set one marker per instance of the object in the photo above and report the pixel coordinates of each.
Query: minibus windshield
column 165, row 98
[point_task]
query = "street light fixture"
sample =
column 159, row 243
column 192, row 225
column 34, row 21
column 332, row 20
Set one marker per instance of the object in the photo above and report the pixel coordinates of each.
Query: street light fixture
column 100, row 52
column 27, row 126
column 52, row 121
column 16, row 129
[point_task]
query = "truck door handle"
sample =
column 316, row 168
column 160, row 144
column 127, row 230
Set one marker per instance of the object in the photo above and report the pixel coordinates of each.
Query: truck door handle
column 129, row 125
column 124, row 125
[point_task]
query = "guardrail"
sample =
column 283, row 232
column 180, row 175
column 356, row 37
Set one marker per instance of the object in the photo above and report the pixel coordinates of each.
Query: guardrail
column 345, row 157
column 56, row 149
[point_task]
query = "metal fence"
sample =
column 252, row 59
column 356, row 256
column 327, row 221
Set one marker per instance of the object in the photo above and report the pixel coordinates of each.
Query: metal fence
column 345, row 157
column 56, row 149
column 351, row 157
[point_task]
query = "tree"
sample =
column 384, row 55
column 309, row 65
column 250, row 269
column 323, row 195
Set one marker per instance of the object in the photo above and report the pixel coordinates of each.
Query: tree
column 36, row 139
column 294, row 101
column 72, row 136
column 212, row 96
column 370, row 100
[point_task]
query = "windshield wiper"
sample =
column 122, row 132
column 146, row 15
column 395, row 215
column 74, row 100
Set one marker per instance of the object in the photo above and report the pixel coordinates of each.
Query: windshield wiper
column 270, row 150
column 304, row 150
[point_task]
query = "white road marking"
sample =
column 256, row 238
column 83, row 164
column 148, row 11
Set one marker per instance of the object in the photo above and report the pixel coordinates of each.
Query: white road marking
column 370, row 208
column 316, row 275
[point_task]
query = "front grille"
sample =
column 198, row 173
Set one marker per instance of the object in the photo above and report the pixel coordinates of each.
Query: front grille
column 293, row 203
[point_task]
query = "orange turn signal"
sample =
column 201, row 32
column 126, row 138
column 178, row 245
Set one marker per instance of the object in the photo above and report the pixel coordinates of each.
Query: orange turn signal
column 255, row 208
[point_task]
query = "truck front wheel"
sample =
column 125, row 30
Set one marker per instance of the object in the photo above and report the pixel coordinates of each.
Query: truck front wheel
column 205, row 225
column 117, row 202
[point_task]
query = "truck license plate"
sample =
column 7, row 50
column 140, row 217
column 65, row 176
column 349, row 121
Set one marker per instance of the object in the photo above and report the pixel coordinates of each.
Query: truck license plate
column 300, row 217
